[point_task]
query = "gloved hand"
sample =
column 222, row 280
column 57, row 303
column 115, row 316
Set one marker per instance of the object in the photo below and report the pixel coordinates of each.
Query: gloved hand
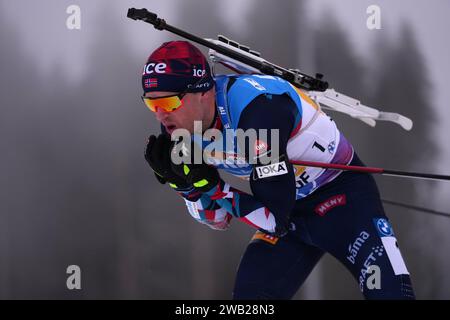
column 157, row 155
column 202, row 176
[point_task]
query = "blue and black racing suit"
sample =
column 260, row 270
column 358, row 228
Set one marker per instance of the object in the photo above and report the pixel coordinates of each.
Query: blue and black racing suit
column 300, row 212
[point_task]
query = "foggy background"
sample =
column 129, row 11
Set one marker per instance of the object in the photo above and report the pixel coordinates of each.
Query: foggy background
column 74, row 185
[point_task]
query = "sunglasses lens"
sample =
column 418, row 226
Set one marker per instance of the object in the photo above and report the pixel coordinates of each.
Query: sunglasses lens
column 168, row 104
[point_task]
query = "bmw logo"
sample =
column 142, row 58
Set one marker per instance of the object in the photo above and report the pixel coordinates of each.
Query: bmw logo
column 384, row 227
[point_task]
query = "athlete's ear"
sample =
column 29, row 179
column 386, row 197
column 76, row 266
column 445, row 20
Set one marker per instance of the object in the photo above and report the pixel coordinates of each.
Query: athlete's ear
column 208, row 93
column 207, row 96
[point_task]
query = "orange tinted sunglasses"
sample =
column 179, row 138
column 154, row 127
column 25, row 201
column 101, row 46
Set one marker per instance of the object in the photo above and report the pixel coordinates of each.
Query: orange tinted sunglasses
column 168, row 103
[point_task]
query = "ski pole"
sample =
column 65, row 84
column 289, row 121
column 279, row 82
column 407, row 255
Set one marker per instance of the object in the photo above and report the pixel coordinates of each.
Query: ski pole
column 343, row 167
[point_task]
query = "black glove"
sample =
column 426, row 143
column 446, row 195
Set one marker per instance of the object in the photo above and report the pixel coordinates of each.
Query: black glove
column 202, row 177
column 157, row 155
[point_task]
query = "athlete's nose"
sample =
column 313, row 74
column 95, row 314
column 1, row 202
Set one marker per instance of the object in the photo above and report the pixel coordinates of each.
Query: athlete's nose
column 161, row 114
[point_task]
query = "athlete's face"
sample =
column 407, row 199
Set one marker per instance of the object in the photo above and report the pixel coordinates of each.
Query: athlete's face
column 195, row 107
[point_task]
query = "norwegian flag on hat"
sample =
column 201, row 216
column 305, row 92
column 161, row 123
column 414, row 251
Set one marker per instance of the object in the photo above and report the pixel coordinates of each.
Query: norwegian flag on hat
column 151, row 83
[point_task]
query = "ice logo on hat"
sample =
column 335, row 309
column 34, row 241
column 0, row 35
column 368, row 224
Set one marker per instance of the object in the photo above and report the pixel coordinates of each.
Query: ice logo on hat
column 198, row 72
column 152, row 67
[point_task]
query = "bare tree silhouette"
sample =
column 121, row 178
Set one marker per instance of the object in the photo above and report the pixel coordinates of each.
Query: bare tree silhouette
column 211, row 254
column 402, row 84
column 344, row 70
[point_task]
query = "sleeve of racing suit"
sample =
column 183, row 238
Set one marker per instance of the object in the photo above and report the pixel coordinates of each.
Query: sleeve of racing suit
column 203, row 207
column 276, row 190
column 273, row 198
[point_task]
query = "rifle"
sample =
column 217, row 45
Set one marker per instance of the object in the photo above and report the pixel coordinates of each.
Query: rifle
column 242, row 59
